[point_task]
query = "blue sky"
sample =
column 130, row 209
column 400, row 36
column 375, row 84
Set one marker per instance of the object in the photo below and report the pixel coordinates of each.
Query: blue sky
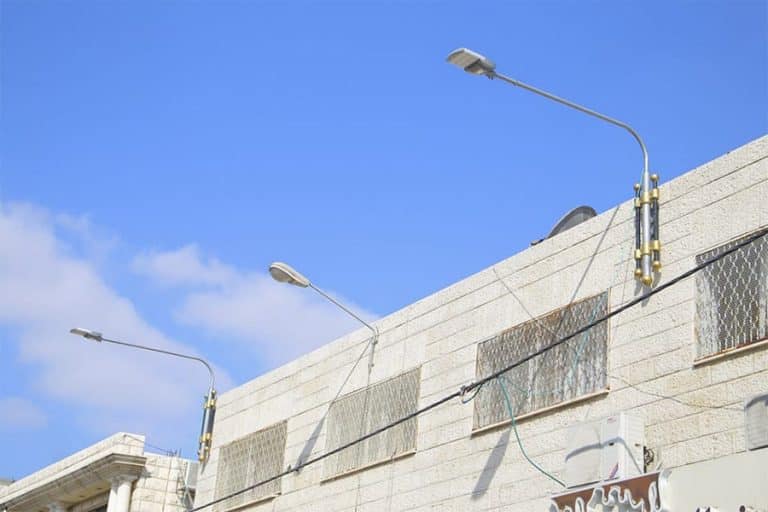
column 155, row 157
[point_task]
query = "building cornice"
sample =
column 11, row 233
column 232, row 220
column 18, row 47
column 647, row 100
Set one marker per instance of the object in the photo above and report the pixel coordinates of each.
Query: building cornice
column 68, row 486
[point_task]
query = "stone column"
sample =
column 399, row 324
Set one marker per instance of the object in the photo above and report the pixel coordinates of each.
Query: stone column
column 123, row 494
column 112, row 494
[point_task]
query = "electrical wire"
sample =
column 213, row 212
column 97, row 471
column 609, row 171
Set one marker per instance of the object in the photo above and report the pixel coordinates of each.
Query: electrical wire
column 571, row 371
column 566, row 310
column 500, row 380
column 472, row 397
column 474, row 385
column 325, row 455
column 163, row 451
column 673, row 398
column 634, row 302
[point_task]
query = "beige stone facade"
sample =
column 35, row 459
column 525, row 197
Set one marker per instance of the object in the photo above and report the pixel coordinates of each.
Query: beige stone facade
column 691, row 406
column 114, row 475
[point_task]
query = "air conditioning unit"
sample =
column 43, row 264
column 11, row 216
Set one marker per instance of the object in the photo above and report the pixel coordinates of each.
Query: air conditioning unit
column 190, row 475
column 756, row 421
column 608, row 449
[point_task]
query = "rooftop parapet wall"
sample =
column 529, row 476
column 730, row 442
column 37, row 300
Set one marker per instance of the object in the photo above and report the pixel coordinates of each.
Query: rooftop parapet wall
column 691, row 413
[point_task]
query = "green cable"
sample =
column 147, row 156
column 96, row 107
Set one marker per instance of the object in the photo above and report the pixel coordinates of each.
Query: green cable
column 517, row 435
column 507, row 400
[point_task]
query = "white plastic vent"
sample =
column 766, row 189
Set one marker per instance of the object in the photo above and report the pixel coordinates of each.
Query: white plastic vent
column 756, row 421
column 609, row 449
column 190, row 475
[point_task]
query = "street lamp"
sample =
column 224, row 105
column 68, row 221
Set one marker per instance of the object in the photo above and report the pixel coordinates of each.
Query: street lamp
column 647, row 245
column 284, row 273
column 209, row 408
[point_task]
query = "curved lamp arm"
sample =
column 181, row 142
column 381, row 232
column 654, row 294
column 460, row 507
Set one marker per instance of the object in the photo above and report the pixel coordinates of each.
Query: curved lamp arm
column 373, row 329
column 648, row 247
column 580, row 108
column 98, row 337
column 209, row 408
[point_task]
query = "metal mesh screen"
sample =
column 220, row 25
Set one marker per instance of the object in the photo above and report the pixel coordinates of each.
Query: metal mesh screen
column 247, row 461
column 732, row 297
column 366, row 410
column 575, row 368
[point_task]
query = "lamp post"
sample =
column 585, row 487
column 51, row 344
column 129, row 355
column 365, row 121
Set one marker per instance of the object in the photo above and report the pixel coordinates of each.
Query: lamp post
column 284, row 273
column 209, row 408
column 647, row 245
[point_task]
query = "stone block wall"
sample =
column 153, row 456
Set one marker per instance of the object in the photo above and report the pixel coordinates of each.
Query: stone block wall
column 159, row 488
column 691, row 412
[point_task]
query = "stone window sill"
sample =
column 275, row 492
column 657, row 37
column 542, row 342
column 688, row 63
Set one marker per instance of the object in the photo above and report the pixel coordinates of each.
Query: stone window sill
column 257, row 501
column 729, row 352
column 542, row 411
column 368, row 466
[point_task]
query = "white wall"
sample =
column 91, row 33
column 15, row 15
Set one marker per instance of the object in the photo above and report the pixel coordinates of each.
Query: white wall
column 651, row 346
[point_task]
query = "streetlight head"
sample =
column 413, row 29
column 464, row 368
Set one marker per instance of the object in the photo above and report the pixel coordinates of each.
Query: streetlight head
column 284, row 273
column 85, row 333
column 472, row 62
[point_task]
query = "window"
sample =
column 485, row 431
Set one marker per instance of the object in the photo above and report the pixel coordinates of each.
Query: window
column 573, row 369
column 364, row 411
column 732, row 297
column 247, row 461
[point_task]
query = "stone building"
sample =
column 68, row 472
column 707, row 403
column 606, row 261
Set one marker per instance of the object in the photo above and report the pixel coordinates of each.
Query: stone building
column 672, row 375
column 114, row 475
column 661, row 408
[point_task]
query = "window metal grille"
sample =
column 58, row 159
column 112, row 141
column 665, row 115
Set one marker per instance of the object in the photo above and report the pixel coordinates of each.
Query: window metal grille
column 732, row 297
column 574, row 368
column 361, row 412
column 249, row 460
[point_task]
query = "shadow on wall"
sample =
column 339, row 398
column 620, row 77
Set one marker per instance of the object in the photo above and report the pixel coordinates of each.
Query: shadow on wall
column 306, row 452
column 491, row 466
column 310, row 444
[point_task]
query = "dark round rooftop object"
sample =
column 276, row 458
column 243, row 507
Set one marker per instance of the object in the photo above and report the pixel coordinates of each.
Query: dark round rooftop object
column 572, row 218
column 569, row 220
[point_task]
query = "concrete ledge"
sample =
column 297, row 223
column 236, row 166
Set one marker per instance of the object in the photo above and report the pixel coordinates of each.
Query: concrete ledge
column 257, row 501
column 369, row 466
column 730, row 352
column 540, row 412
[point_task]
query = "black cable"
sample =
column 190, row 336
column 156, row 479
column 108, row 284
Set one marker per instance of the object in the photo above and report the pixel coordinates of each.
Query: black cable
column 453, row 395
column 616, row 311
column 479, row 383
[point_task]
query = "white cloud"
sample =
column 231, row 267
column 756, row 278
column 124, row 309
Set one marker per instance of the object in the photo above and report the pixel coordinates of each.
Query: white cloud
column 96, row 243
column 20, row 414
column 183, row 266
column 47, row 289
column 277, row 321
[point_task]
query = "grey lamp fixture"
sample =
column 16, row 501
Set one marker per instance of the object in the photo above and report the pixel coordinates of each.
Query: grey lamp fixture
column 284, row 273
column 209, row 408
column 647, row 245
